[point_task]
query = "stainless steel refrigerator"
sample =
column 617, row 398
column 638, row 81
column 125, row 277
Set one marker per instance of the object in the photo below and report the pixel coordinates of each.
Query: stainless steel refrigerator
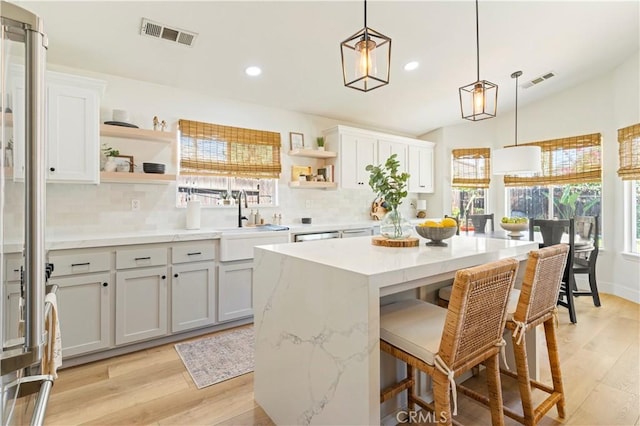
column 23, row 45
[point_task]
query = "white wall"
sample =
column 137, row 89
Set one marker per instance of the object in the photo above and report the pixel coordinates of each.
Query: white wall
column 602, row 105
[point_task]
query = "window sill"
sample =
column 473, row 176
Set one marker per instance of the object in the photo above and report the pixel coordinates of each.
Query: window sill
column 634, row 257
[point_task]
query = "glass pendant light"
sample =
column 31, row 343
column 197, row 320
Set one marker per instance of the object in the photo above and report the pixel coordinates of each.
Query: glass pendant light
column 517, row 160
column 478, row 100
column 366, row 58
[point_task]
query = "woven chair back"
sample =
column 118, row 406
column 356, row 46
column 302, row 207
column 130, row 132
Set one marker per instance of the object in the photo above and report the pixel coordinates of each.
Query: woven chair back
column 541, row 283
column 477, row 310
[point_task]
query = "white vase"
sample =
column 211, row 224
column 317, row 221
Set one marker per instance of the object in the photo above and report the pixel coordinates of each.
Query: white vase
column 110, row 165
column 321, row 148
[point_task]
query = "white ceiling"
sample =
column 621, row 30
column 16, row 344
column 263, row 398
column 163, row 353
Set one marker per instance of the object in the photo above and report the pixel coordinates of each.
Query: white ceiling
column 297, row 45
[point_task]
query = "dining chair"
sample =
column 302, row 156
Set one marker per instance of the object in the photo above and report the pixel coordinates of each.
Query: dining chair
column 532, row 305
column 457, row 219
column 586, row 254
column 552, row 231
column 479, row 222
column 445, row 343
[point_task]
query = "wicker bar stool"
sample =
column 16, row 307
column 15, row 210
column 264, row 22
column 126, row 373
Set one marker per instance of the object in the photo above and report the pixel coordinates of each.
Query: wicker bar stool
column 529, row 307
column 445, row 343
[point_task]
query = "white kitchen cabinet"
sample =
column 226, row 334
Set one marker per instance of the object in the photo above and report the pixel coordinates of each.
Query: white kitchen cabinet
column 11, row 313
column 85, row 299
column 387, row 148
column 355, row 151
column 193, row 295
column 421, row 168
column 73, row 127
column 141, row 304
column 84, row 312
column 235, row 290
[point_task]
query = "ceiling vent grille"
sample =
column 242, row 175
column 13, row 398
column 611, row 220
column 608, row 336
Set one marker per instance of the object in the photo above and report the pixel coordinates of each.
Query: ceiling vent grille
column 537, row 80
column 160, row 31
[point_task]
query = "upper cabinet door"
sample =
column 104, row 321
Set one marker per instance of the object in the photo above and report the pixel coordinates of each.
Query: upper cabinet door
column 73, row 127
column 73, row 124
column 421, row 169
column 387, row 148
column 356, row 152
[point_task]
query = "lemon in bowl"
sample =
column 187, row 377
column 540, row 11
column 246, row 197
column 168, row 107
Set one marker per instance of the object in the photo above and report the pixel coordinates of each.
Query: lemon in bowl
column 436, row 232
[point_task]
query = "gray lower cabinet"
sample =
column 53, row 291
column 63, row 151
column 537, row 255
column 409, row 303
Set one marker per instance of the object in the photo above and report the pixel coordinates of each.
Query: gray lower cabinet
column 84, row 311
column 193, row 296
column 235, row 290
column 141, row 301
column 11, row 311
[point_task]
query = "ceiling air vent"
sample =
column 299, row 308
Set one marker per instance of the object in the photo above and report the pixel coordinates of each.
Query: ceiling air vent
column 537, row 80
column 156, row 30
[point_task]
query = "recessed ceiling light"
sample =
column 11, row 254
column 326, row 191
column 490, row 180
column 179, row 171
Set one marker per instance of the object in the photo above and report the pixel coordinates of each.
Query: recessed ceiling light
column 411, row 66
column 253, row 71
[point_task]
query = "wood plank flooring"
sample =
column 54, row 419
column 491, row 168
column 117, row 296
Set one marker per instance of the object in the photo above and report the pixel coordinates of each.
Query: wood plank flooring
column 599, row 355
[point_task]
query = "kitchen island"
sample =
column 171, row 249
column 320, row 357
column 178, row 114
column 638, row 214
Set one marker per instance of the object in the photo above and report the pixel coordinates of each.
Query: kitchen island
column 317, row 308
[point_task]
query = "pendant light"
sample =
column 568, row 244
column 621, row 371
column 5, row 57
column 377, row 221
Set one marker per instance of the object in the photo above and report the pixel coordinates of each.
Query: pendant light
column 517, row 160
column 366, row 58
column 478, row 100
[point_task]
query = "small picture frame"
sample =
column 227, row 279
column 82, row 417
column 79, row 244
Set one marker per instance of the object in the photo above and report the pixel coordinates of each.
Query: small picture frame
column 297, row 140
column 124, row 163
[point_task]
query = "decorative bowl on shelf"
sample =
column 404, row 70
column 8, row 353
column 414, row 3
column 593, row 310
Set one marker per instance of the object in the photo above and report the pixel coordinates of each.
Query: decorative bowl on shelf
column 515, row 229
column 153, row 168
column 436, row 234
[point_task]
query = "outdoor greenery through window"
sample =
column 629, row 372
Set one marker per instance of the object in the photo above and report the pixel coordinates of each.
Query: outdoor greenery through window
column 569, row 185
column 471, row 175
column 218, row 162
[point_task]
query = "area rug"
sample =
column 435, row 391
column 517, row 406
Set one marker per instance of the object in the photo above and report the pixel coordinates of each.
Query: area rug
column 221, row 357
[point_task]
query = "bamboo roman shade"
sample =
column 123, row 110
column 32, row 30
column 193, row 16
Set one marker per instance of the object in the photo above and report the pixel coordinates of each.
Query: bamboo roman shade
column 471, row 167
column 564, row 161
column 210, row 149
column 629, row 152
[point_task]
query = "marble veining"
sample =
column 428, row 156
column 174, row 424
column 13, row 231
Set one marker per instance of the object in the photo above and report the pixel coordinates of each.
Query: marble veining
column 317, row 319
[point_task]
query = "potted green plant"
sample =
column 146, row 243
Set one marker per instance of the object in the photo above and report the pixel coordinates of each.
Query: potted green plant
column 320, row 143
column 391, row 186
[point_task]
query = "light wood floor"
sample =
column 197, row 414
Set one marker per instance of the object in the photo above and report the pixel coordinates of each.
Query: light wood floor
column 600, row 364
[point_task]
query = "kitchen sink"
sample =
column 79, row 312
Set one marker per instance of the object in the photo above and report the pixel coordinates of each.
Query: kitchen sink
column 249, row 229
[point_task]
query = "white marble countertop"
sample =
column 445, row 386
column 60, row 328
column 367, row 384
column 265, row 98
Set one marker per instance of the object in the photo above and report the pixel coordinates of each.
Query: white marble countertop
column 56, row 242
column 358, row 255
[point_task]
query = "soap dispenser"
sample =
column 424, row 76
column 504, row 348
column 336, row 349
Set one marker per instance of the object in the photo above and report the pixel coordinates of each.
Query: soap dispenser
column 252, row 218
column 258, row 218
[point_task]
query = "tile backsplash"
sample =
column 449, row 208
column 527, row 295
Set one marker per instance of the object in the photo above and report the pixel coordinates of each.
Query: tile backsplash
column 75, row 210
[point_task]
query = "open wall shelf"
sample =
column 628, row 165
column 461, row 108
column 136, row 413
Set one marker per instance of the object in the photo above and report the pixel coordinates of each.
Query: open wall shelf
column 123, row 177
column 141, row 134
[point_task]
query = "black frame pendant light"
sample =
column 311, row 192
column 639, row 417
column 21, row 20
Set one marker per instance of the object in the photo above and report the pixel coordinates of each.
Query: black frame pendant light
column 478, row 100
column 366, row 58
column 517, row 160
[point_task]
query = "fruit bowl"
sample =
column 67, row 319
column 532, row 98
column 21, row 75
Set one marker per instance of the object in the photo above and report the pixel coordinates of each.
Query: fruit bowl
column 436, row 234
column 515, row 229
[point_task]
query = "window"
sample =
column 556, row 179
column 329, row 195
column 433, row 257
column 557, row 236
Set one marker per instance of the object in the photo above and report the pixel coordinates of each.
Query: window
column 471, row 171
column 217, row 162
column 629, row 156
column 569, row 185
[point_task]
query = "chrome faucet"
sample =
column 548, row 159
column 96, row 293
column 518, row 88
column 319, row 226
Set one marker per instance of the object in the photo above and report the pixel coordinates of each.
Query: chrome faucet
column 246, row 205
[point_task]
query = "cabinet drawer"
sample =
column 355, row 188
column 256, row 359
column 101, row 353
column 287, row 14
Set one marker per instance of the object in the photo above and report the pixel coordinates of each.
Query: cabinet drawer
column 13, row 269
column 137, row 258
column 79, row 263
column 193, row 253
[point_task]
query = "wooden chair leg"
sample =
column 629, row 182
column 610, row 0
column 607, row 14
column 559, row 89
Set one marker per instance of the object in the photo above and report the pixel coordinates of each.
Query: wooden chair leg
column 554, row 362
column 441, row 399
column 593, row 285
column 495, row 391
column 524, row 381
column 411, row 392
column 570, row 301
